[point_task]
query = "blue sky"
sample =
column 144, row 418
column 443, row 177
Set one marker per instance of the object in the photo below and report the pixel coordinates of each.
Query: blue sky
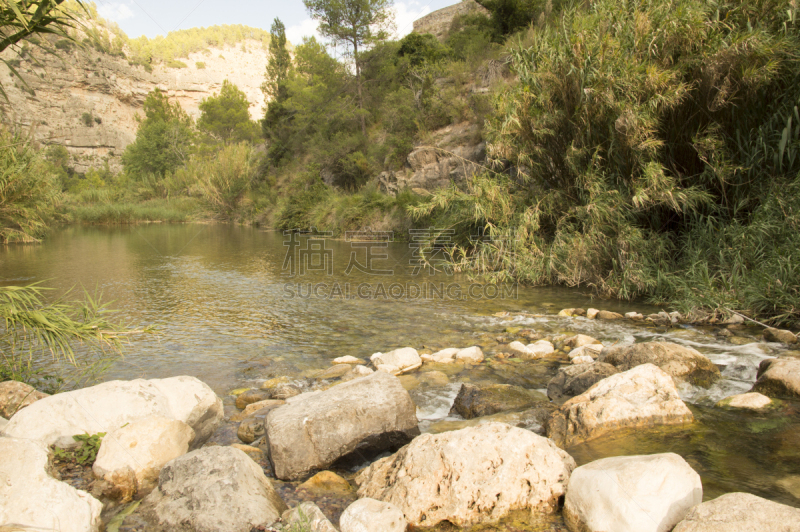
column 158, row 17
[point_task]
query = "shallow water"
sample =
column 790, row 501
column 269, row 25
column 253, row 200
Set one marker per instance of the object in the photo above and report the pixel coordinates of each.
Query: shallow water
column 226, row 312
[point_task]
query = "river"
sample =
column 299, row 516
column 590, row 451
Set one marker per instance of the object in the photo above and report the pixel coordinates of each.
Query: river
column 236, row 305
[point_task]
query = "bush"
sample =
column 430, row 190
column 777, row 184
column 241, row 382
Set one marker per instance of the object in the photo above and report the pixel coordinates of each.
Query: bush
column 225, row 179
column 174, row 63
column 199, row 65
column 86, row 119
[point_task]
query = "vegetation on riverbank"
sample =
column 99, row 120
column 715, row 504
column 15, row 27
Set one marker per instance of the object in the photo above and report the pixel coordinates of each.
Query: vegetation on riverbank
column 641, row 149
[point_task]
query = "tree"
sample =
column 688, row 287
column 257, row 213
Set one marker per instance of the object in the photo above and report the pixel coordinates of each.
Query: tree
column 277, row 119
column 279, row 64
column 163, row 139
column 227, row 116
column 357, row 24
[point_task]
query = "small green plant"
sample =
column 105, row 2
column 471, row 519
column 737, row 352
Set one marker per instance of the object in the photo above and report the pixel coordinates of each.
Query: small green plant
column 64, row 44
column 98, row 120
column 200, row 65
column 86, row 119
column 86, row 454
column 176, row 64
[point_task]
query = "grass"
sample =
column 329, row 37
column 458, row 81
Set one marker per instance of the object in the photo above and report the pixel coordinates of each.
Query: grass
column 173, row 210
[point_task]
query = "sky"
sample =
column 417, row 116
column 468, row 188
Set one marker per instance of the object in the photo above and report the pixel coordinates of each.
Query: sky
column 158, row 17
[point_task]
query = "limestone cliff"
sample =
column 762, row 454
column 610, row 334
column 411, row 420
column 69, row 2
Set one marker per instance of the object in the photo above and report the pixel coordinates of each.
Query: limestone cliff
column 82, row 80
column 438, row 22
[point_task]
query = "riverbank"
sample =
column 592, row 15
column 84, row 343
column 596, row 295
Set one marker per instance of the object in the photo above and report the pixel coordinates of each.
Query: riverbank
column 727, row 412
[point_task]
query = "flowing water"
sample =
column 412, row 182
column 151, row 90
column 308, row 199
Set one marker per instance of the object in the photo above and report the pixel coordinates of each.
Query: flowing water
column 234, row 306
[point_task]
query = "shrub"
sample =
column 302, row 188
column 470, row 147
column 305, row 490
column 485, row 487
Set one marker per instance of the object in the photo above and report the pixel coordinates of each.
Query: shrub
column 199, row 65
column 225, row 179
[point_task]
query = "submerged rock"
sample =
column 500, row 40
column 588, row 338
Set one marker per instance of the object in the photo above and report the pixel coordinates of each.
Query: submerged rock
column 631, row 494
column 740, row 512
column 252, row 408
column 483, row 400
column 750, row 401
column 143, row 446
column 30, row 497
column 641, row 397
column 778, row 377
column 243, row 400
column 209, row 490
column 398, row 361
column 14, row 396
column 335, row 372
column 683, row 363
column 312, row 431
column 470, row 476
column 307, row 517
column 779, row 335
column 109, row 406
column 574, row 380
column 369, row 515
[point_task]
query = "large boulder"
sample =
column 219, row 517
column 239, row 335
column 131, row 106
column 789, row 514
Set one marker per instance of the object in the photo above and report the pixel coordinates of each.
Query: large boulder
column 143, row 446
column 470, row 476
column 779, row 377
column 748, row 401
column 682, row 363
column 15, row 396
column 779, row 335
column 574, row 380
column 314, row 430
column 307, row 517
column 29, row 497
column 631, row 494
column 483, row 400
column 740, row 512
column 398, row 361
column 369, row 515
column 644, row 396
column 111, row 405
column 209, row 490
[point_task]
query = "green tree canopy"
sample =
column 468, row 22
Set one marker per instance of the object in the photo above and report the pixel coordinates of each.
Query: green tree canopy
column 163, row 139
column 276, row 125
column 357, row 24
column 279, row 64
column 226, row 115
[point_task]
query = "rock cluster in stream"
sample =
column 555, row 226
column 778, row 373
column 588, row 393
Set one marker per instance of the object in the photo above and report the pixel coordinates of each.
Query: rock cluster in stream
column 156, row 450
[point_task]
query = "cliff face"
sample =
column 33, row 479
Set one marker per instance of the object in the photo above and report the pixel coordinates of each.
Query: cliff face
column 438, row 22
column 106, row 87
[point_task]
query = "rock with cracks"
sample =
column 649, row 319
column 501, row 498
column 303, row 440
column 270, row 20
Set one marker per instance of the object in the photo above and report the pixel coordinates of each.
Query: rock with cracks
column 111, row 405
column 682, row 363
column 365, row 415
column 469, row 476
column 644, row 396
column 631, row 494
column 740, row 512
column 210, row 490
column 30, row 497
column 574, row 380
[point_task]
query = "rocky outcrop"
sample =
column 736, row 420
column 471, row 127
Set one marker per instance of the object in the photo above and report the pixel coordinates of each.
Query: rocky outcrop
column 369, row 515
column 108, row 406
column 631, row 494
column 469, row 476
column 779, row 377
column 30, row 497
column 143, row 447
column 483, row 400
column 641, row 397
column 574, row 380
column 740, row 512
column 109, row 89
column 211, row 489
column 438, row 22
column 314, row 430
column 453, row 154
column 15, row 396
column 682, row 363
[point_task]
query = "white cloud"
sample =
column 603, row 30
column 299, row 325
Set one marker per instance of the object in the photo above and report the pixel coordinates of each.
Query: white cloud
column 307, row 28
column 405, row 13
column 115, row 11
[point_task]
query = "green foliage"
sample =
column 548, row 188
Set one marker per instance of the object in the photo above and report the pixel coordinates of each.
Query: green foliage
column 86, row 119
column 163, row 139
column 174, row 63
column 199, row 65
column 226, row 115
column 422, row 48
column 86, row 453
column 639, row 137
column 29, row 190
column 279, row 64
column 224, row 180
column 509, row 16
